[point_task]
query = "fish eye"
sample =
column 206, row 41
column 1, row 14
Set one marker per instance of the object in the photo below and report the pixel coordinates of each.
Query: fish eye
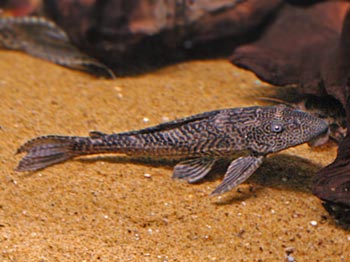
column 276, row 127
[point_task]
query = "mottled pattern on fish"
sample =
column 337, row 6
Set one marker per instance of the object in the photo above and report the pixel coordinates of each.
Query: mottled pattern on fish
column 201, row 139
column 41, row 38
column 326, row 107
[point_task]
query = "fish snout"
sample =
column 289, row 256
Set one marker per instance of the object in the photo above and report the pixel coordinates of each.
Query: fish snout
column 321, row 135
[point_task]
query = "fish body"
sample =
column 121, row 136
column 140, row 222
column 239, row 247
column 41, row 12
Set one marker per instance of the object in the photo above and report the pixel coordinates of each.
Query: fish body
column 201, row 140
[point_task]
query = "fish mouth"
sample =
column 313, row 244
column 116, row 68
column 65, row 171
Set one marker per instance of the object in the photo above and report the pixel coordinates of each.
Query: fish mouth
column 320, row 139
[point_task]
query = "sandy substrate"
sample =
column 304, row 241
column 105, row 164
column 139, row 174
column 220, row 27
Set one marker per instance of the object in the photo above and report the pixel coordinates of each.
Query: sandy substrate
column 107, row 209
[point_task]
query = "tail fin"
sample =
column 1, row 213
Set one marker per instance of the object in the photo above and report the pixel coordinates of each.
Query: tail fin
column 45, row 151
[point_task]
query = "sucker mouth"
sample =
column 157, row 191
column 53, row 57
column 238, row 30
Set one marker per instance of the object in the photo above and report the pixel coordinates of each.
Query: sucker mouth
column 320, row 139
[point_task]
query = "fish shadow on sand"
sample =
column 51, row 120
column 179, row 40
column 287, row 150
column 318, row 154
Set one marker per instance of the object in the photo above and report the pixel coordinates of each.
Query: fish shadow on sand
column 280, row 171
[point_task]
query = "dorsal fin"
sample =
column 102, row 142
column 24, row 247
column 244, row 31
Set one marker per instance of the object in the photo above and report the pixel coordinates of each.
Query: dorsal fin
column 96, row 134
column 175, row 123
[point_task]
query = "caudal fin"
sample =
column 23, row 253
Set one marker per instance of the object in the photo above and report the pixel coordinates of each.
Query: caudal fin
column 45, row 151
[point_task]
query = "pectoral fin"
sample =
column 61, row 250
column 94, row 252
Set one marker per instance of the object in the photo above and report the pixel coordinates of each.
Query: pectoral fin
column 194, row 169
column 238, row 171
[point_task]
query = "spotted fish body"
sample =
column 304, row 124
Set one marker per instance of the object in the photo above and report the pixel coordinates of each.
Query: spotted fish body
column 201, row 139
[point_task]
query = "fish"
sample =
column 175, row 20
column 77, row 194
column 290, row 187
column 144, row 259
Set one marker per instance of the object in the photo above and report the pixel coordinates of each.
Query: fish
column 197, row 141
column 42, row 38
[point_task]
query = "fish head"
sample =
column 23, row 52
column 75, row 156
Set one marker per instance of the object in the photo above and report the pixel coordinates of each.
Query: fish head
column 280, row 127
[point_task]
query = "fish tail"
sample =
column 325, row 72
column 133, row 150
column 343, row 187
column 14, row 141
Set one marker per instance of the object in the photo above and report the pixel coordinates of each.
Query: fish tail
column 45, row 151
